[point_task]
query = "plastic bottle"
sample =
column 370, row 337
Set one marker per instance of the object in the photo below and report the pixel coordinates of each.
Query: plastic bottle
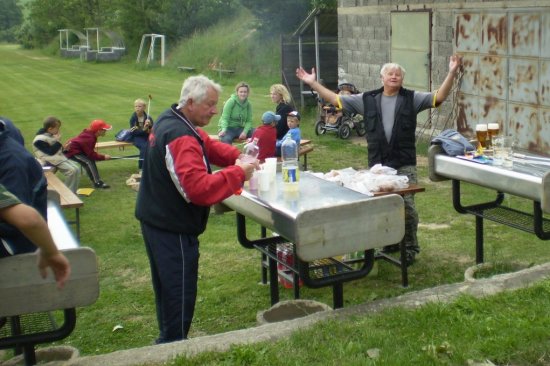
column 251, row 151
column 290, row 169
column 250, row 155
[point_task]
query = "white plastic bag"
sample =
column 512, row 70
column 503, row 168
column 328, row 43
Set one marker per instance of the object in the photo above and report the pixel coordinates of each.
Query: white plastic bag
column 378, row 179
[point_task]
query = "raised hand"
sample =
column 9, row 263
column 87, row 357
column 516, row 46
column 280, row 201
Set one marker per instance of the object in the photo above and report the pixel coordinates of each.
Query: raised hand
column 455, row 62
column 306, row 77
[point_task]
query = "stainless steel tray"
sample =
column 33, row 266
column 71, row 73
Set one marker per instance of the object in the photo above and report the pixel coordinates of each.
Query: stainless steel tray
column 526, row 180
column 324, row 219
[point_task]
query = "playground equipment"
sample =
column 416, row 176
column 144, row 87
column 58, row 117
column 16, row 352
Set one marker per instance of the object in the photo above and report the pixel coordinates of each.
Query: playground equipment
column 91, row 46
column 151, row 54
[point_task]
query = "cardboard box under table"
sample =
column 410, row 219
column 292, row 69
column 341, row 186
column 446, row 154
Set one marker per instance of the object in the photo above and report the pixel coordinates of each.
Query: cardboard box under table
column 322, row 220
column 529, row 178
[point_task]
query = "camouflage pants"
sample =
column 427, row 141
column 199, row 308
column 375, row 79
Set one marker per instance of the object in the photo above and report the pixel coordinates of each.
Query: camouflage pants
column 411, row 216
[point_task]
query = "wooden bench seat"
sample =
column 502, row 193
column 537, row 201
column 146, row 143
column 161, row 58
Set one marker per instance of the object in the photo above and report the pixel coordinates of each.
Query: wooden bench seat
column 186, row 68
column 224, row 71
column 121, row 145
column 67, row 198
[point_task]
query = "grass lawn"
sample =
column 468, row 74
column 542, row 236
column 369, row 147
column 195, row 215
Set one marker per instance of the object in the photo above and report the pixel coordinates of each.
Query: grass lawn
column 35, row 86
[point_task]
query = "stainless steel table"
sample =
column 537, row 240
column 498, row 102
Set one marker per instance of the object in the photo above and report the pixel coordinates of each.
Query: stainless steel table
column 525, row 179
column 323, row 220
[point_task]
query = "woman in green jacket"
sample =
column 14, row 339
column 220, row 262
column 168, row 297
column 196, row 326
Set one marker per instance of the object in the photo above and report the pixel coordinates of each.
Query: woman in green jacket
column 236, row 119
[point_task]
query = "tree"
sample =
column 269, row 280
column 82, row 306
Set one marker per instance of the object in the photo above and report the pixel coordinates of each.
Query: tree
column 173, row 18
column 284, row 16
column 10, row 19
column 46, row 17
column 278, row 17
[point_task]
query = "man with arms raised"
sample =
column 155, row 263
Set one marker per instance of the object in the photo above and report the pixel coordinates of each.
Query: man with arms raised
column 390, row 120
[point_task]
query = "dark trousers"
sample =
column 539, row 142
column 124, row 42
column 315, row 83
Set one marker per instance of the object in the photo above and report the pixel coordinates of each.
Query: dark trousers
column 141, row 143
column 174, row 261
column 411, row 215
column 89, row 166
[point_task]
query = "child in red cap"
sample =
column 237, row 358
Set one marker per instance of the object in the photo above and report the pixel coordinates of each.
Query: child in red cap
column 82, row 150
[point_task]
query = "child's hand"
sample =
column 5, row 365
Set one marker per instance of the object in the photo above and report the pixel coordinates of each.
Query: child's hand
column 107, row 157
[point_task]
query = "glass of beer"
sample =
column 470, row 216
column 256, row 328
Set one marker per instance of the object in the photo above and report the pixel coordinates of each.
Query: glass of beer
column 492, row 130
column 482, row 135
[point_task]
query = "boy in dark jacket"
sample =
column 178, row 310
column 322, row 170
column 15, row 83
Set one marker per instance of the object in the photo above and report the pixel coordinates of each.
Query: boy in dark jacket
column 82, row 150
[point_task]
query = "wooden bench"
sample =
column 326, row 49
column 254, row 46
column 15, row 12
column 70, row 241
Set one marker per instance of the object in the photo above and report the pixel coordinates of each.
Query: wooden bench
column 67, row 198
column 224, row 71
column 28, row 299
column 186, row 68
column 120, row 145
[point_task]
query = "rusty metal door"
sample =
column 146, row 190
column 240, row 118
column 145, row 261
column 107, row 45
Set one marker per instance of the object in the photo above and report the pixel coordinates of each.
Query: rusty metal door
column 506, row 73
column 410, row 47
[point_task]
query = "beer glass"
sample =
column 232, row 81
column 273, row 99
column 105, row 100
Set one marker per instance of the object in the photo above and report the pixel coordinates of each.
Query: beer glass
column 492, row 130
column 482, row 134
column 504, row 153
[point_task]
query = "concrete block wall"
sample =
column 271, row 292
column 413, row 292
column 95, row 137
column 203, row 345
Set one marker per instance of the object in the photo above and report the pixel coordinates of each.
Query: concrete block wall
column 364, row 37
column 363, row 46
column 364, row 40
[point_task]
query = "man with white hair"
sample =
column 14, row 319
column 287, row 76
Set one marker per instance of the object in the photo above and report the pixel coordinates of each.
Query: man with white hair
column 176, row 191
column 390, row 120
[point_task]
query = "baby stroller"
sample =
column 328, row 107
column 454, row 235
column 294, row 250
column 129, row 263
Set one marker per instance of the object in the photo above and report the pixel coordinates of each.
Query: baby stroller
column 333, row 119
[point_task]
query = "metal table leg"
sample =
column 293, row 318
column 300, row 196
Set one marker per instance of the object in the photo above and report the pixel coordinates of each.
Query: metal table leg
column 338, row 295
column 273, row 283
column 263, row 234
column 77, row 219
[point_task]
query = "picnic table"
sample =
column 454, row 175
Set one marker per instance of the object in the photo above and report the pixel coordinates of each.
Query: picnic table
column 67, row 198
column 323, row 221
column 529, row 179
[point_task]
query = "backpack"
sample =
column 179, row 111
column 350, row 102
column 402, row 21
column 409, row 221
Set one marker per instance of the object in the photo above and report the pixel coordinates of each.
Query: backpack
column 453, row 142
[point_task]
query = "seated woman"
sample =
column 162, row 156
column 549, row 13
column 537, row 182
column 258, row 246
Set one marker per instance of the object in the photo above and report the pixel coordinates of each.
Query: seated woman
column 236, row 119
column 281, row 97
column 140, row 125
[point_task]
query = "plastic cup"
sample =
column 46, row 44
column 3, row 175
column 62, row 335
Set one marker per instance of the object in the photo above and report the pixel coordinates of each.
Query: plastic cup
column 264, row 179
column 271, row 166
column 253, row 182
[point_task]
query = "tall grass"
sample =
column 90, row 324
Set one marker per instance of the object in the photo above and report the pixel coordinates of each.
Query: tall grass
column 35, row 85
column 242, row 49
